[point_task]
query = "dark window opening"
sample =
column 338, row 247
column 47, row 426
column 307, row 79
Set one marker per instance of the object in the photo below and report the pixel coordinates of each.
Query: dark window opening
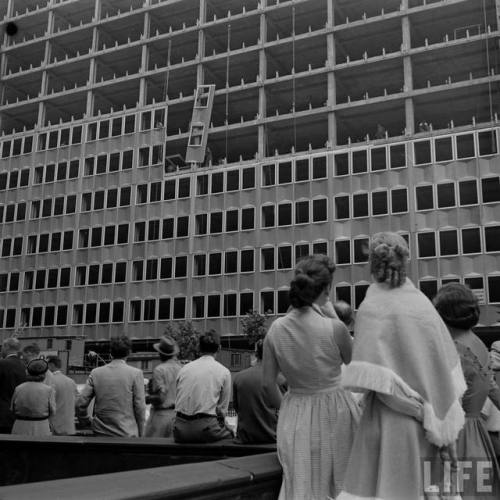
column 343, row 251
column 360, row 205
column 379, row 203
column 426, row 244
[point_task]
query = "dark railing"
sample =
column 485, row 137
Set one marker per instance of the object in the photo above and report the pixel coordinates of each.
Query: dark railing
column 25, row 459
column 256, row 477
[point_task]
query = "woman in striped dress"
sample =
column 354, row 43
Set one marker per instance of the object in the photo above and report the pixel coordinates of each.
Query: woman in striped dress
column 317, row 417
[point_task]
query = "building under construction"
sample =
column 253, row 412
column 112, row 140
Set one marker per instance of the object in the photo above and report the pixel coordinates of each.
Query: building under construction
column 172, row 159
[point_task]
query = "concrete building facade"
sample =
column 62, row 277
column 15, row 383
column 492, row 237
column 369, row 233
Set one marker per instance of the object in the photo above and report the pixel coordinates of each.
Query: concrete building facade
column 331, row 120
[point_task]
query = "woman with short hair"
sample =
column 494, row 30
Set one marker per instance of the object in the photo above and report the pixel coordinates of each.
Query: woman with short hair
column 406, row 363
column 459, row 309
column 317, row 418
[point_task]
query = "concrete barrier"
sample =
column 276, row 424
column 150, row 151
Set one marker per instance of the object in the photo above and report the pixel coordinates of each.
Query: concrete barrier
column 256, row 477
column 25, row 459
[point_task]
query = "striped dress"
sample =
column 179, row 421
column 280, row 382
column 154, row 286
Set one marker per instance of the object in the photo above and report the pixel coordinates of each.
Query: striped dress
column 317, row 418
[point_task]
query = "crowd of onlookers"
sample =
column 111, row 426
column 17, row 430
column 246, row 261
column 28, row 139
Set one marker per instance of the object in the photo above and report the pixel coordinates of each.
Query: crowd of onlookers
column 36, row 398
column 189, row 402
column 374, row 415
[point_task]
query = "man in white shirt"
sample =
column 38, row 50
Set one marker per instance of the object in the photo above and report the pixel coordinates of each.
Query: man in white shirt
column 62, row 423
column 120, row 406
column 202, row 398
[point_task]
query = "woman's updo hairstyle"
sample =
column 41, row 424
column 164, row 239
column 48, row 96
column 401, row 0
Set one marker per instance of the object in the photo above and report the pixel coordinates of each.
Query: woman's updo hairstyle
column 457, row 305
column 312, row 275
column 388, row 256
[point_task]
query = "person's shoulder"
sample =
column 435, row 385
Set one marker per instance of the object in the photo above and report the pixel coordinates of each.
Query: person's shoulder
column 21, row 386
column 132, row 369
column 63, row 377
column 241, row 374
column 172, row 367
column 338, row 325
column 245, row 373
column 223, row 369
column 186, row 367
column 12, row 362
column 99, row 371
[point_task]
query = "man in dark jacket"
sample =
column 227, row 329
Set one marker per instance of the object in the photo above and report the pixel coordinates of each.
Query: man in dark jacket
column 12, row 373
column 257, row 421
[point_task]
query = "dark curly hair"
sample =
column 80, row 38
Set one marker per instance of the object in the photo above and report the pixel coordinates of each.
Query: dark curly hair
column 388, row 256
column 209, row 342
column 120, row 347
column 312, row 275
column 457, row 305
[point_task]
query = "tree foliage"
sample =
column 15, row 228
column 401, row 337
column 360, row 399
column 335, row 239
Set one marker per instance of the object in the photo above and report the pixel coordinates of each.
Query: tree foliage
column 254, row 326
column 187, row 338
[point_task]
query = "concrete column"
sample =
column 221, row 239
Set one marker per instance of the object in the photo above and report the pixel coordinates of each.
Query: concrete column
column 200, row 74
column 4, row 61
column 331, row 82
column 410, row 129
column 89, row 110
column 143, row 90
column 407, row 68
column 261, row 131
column 44, row 85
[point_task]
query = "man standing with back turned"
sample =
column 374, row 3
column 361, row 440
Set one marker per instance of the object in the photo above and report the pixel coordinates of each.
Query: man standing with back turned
column 12, row 373
column 203, row 393
column 120, row 407
column 62, row 423
column 257, row 420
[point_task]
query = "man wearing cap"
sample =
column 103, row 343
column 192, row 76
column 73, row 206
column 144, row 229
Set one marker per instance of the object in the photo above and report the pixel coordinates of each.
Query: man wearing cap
column 162, row 389
column 12, row 374
column 120, row 407
column 203, row 393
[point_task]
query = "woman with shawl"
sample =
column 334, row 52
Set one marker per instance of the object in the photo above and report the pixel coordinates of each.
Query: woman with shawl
column 493, row 413
column 459, row 309
column 406, row 362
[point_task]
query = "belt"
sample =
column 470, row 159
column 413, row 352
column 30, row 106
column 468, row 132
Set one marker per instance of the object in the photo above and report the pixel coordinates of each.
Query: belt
column 31, row 419
column 158, row 408
column 196, row 416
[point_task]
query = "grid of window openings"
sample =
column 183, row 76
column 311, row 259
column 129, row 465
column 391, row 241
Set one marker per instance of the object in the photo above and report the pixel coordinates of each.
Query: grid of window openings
column 486, row 288
column 450, row 194
column 215, row 305
column 78, row 133
column 35, row 279
column 445, row 242
column 422, row 153
column 366, row 204
column 355, row 161
column 456, row 146
column 444, row 195
column 214, row 263
column 92, row 165
column 449, row 242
